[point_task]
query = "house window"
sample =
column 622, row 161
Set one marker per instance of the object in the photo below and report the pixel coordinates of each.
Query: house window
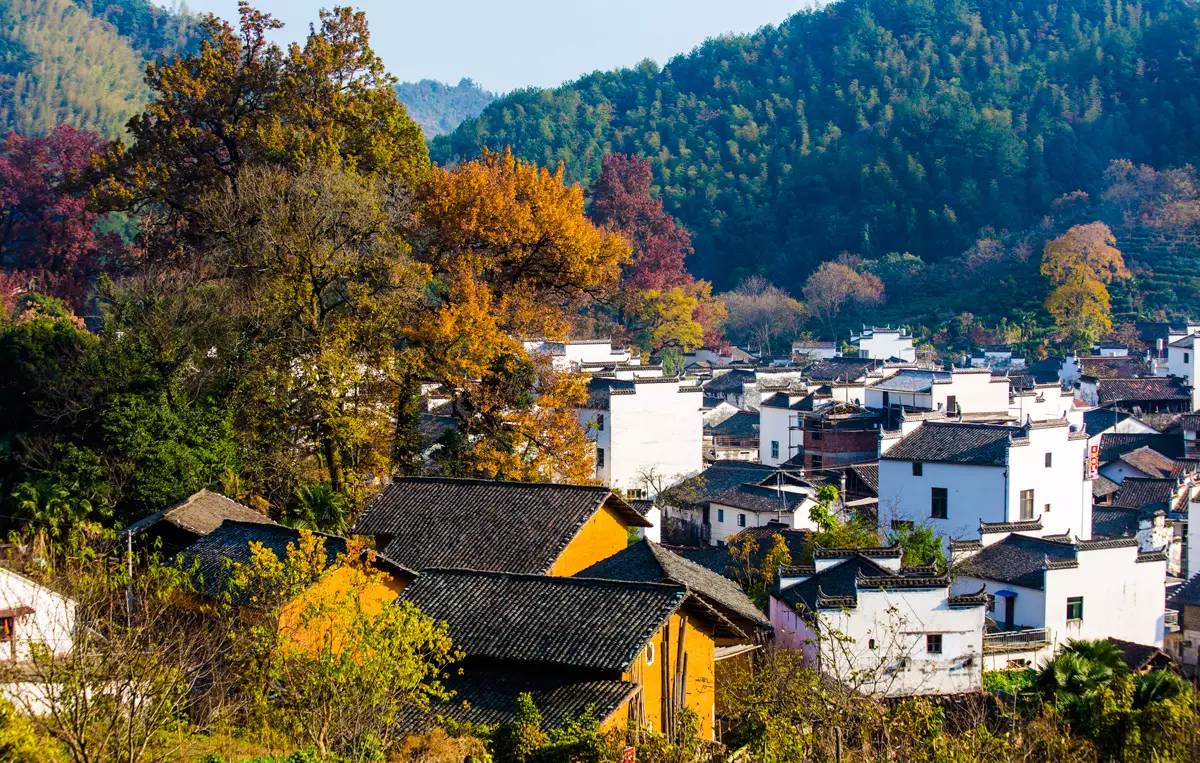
column 741, row 520
column 774, row 448
column 1074, row 607
column 599, row 458
column 939, row 503
column 1027, row 504
column 600, row 423
column 870, row 643
column 1049, row 460
column 816, row 462
column 933, row 643
column 720, row 515
column 1185, row 357
column 1046, row 509
column 649, row 652
column 918, row 468
column 951, row 404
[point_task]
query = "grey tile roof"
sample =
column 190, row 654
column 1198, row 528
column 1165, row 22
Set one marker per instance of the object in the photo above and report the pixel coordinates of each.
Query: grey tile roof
column 1188, row 593
column 1113, row 446
column 869, row 474
column 1097, row 420
column 1140, row 656
column 483, row 524
column 911, row 380
column 200, row 513
column 760, row 499
column 1113, row 367
column 579, row 623
column 1045, row 371
column 488, row 696
column 955, row 443
column 1133, row 390
column 230, row 544
column 1152, row 463
column 840, row 369
column 649, row 562
column 1114, row 522
column 732, row 381
column 835, row 586
column 740, row 424
column 1018, row 559
column 1146, row 493
column 1102, row 486
column 718, row 477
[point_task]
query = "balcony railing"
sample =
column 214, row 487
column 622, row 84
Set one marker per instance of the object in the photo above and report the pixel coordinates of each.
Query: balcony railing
column 1170, row 621
column 1015, row 641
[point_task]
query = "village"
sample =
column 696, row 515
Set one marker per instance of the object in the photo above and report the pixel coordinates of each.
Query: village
column 1056, row 499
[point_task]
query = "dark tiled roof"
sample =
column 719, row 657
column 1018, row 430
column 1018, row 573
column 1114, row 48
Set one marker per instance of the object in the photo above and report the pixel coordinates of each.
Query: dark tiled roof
column 911, row 380
column 1114, row 522
column 1133, row 390
column 649, row 562
column 732, row 381
column 955, row 443
column 869, row 474
column 1152, row 463
column 840, row 369
column 1097, row 420
column 579, row 623
column 1113, row 446
column 600, row 389
column 1045, row 371
column 837, row 582
column 230, row 544
column 1018, row 559
column 1113, row 367
column 1145, row 493
column 760, row 498
column 740, row 424
column 1188, row 593
column 483, row 524
column 201, row 513
column 1102, row 486
column 717, row 478
column 488, row 697
column 1140, row 656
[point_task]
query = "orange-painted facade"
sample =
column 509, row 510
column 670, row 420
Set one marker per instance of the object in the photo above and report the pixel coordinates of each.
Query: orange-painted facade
column 662, row 666
column 600, row 537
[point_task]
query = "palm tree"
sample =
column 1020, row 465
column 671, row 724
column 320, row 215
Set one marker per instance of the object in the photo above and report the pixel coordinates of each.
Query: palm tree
column 1156, row 686
column 317, row 507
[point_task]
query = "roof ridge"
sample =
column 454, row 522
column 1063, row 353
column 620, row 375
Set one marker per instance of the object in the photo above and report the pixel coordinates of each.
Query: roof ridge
column 568, row 581
column 482, row 481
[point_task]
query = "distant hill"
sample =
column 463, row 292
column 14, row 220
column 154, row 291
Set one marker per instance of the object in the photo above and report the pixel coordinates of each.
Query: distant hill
column 80, row 63
column 875, row 126
column 438, row 107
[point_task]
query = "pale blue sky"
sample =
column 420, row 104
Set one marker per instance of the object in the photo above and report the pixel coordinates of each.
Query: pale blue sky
column 504, row 45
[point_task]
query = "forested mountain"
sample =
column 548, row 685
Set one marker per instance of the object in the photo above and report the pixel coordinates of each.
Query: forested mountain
column 79, row 63
column 871, row 126
column 438, row 107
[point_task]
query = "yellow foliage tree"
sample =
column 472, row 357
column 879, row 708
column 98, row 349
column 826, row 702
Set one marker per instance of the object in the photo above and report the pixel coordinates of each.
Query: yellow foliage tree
column 512, row 255
column 1080, row 263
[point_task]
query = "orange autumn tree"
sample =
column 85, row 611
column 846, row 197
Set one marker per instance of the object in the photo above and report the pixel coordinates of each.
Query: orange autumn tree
column 1080, row 264
column 512, row 256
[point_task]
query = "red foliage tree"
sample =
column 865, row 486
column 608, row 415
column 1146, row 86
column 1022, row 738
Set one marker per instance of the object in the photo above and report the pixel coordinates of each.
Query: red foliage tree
column 621, row 201
column 48, row 236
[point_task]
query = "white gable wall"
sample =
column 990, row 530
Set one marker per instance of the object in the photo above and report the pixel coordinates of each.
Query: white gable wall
column 52, row 622
column 974, row 494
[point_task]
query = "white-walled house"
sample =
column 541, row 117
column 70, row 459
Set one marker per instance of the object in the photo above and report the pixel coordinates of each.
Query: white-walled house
column 885, row 344
column 648, row 431
column 810, row 349
column 1042, row 402
column 1182, row 362
column 31, row 613
column 755, row 505
column 965, row 391
column 581, row 352
column 1047, row 590
column 862, row 619
column 958, row 476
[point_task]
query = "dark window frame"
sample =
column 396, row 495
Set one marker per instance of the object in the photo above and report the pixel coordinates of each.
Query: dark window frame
column 939, row 503
column 933, row 643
